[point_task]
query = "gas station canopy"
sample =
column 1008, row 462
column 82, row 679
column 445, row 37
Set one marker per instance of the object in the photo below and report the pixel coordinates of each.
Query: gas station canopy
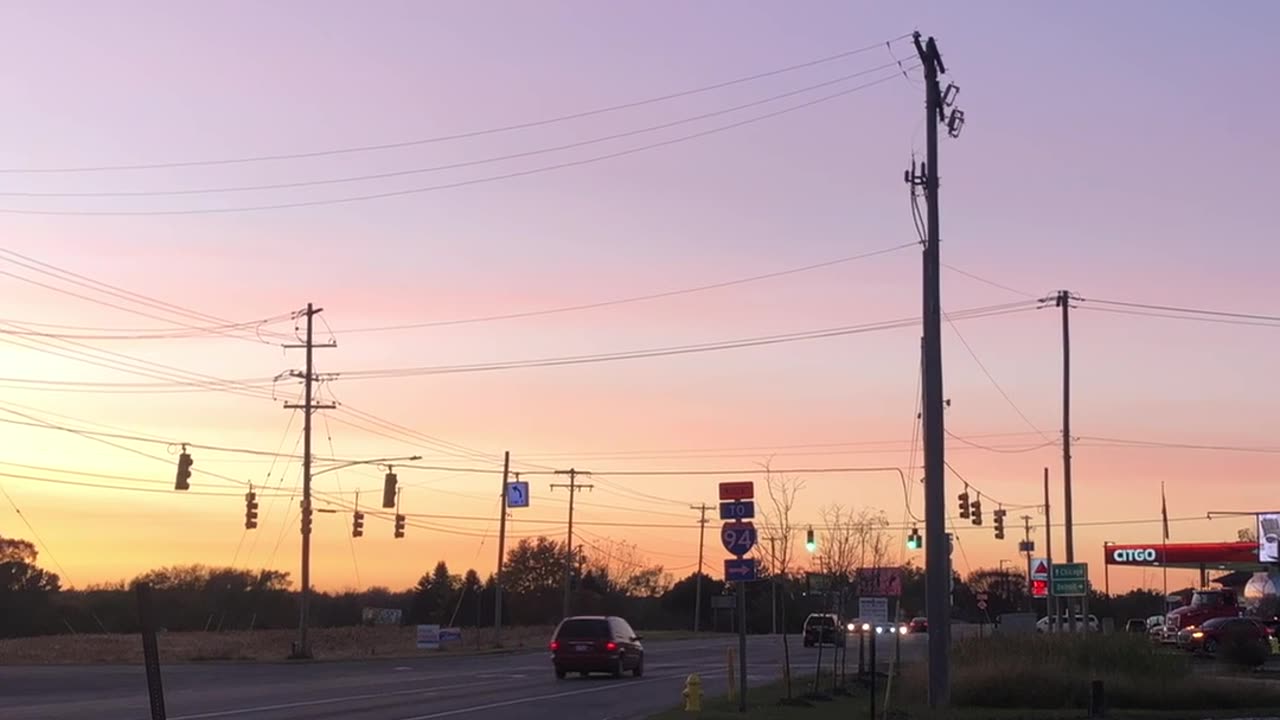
column 1236, row 556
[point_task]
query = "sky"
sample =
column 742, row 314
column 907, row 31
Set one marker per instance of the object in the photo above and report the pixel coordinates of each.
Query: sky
column 1112, row 150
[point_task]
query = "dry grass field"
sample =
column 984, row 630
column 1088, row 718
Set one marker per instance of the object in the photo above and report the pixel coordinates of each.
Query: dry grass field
column 347, row 643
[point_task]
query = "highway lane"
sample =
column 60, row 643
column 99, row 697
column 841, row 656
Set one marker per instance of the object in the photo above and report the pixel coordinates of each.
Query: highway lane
column 517, row 686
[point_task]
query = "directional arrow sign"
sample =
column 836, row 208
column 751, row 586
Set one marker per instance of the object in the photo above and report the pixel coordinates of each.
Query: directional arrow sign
column 740, row 570
column 738, row 537
column 518, row 494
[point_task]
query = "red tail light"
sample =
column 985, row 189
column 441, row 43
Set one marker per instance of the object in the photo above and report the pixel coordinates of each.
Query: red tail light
column 611, row 646
column 554, row 646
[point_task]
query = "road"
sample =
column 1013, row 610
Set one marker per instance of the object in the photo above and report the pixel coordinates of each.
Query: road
column 514, row 687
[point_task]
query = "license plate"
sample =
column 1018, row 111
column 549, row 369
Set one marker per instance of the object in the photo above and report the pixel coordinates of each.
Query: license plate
column 582, row 648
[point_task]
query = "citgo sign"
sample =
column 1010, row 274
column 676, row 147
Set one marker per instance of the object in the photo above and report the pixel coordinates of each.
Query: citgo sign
column 1134, row 555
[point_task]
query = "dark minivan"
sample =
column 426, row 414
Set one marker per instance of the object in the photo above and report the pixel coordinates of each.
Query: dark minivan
column 588, row 644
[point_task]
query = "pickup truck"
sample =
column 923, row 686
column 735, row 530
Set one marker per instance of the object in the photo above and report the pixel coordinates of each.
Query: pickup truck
column 1205, row 605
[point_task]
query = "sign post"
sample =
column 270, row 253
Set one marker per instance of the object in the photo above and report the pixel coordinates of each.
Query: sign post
column 150, row 651
column 738, row 537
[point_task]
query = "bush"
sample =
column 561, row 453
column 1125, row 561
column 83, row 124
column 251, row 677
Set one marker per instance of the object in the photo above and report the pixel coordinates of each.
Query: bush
column 1053, row 672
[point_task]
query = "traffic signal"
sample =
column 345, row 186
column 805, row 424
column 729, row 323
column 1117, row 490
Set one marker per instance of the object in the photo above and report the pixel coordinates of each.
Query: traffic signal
column 306, row 518
column 399, row 525
column 914, row 541
column 976, row 510
column 184, row 472
column 999, row 515
column 357, row 524
column 810, row 543
column 964, row 505
column 250, row 510
column 389, row 491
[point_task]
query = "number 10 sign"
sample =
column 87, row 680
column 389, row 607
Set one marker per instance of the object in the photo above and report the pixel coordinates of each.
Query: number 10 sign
column 738, row 537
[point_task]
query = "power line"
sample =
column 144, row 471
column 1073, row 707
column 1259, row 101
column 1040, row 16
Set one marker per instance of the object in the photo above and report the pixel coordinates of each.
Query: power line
column 636, row 298
column 974, row 313
column 1185, row 310
column 456, row 184
column 1174, row 316
column 990, row 282
column 463, row 135
column 982, row 366
column 449, row 166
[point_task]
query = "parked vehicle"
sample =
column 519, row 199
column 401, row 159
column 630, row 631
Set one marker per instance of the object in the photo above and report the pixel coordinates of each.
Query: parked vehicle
column 1205, row 606
column 588, row 644
column 823, row 629
column 1063, row 624
column 1209, row 637
column 1135, row 625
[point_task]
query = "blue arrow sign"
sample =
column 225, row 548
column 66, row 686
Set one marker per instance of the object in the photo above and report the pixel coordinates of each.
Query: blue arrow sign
column 740, row 570
column 518, row 494
column 738, row 510
column 738, row 537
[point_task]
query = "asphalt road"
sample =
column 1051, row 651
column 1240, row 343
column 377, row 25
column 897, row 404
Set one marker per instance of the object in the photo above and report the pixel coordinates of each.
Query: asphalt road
column 515, row 687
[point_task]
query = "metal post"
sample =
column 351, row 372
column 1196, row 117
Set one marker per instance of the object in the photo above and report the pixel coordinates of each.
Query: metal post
column 742, row 646
column 150, row 651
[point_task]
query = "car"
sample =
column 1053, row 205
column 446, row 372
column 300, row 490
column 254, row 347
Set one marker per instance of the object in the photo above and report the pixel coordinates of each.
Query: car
column 596, row 644
column 1136, row 625
column 823, row 629
column 1042, row 626
column 918, row 625
column 1209, row 637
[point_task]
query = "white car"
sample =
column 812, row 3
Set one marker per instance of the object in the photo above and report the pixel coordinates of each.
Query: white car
column 1042, row 626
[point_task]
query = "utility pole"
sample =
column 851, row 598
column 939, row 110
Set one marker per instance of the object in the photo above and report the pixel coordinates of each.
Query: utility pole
column 308, row 407
column 938, row 577
column 1063, row 300
column 573, row 487
column 502, row 542
column 702, row 534
column 773, row 584
column 1026, row 519
column 1050, row 604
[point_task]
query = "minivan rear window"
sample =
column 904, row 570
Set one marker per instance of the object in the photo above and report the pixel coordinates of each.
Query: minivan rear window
column 584, row 629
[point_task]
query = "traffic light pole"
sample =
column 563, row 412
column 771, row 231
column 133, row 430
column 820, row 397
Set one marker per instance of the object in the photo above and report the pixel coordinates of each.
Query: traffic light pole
column 302, row 649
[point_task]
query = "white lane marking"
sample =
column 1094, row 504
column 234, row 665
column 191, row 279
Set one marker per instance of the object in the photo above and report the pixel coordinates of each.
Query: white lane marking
column 328, row 701
column 402, row 668
column 536, row 698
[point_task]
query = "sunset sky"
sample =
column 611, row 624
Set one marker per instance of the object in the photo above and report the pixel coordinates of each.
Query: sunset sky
column 1121, row 151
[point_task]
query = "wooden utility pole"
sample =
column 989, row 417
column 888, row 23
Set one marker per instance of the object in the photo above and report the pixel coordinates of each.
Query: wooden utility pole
column 702, row 534
column 938, row 578
column 502, row 548
column 302, row 649
column 1063, row 300
column 573, row 487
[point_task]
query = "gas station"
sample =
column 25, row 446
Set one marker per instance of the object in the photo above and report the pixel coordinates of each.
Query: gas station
column 1245, row 570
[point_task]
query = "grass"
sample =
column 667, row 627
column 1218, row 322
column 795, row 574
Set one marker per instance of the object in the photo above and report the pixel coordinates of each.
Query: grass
column 349, row 643
column 762, row 702
column 1052, row 675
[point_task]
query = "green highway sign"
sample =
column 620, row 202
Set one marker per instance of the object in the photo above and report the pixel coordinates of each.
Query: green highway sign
column 1069, row 579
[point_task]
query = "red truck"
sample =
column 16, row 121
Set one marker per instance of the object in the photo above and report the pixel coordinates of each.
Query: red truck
column 1205, row 605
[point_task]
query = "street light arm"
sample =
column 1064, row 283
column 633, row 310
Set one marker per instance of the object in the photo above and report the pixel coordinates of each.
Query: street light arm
column 374, row 461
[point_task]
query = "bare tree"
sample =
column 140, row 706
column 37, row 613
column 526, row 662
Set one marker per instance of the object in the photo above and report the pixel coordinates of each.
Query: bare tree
column 779, row 531
column 852, row 540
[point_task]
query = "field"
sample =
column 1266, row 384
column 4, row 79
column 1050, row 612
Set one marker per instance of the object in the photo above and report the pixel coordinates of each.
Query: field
column 348, row 643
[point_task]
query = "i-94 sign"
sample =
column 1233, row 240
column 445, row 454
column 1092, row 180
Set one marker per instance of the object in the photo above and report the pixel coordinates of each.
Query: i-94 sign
column 738, row 537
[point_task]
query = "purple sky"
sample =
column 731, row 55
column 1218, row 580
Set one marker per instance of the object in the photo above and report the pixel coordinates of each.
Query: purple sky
column 1119, row 150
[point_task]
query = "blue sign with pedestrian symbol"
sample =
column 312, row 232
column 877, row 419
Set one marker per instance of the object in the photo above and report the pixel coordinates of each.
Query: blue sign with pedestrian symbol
column 518, row 494
column 738, row 510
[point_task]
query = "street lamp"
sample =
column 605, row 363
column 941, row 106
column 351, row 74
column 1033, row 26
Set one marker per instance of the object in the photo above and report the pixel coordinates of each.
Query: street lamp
column 303, row 650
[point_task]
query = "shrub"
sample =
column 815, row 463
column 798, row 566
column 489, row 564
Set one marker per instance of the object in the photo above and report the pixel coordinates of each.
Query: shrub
column 1053, row 672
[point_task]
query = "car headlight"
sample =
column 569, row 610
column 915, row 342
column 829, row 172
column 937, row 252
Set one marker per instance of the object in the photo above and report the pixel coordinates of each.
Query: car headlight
column 866, row 627
column 879, row 630
column 852, row 627
column 903, row 629
column 1197, row 634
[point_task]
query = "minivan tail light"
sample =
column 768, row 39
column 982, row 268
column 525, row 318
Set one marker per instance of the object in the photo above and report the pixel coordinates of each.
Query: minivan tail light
column 611, row 646
column 554, row 646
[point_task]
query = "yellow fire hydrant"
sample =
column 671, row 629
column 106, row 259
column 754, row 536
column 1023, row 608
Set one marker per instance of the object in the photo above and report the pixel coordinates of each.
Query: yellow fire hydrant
column 693, row 694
